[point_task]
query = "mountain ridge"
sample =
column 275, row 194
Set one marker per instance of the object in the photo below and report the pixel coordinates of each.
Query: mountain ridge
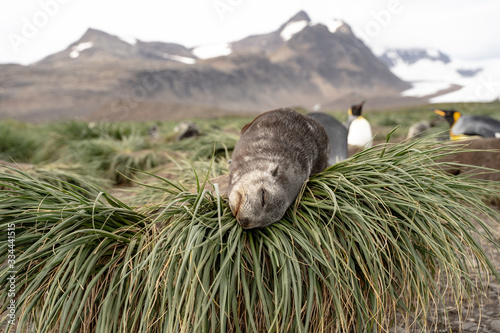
column 104, row 76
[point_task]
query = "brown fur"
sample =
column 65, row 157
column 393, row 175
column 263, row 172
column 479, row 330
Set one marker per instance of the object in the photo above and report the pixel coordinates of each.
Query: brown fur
column 275, row 155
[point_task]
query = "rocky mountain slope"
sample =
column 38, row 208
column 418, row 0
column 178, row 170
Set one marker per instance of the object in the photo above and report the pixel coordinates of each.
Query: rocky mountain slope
column 102, row 76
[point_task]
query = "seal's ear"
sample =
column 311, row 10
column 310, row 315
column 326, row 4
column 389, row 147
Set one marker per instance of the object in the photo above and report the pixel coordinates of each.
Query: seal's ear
column 250, row 123
column 246, row 127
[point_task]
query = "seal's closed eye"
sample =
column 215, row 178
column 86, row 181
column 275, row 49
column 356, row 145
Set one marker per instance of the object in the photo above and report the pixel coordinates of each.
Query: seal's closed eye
column 274, row 173
column 263, row 196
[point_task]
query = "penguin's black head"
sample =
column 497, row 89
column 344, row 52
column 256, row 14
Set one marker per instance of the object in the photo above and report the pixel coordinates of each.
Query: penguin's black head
column 449, row 115
column 356, row 109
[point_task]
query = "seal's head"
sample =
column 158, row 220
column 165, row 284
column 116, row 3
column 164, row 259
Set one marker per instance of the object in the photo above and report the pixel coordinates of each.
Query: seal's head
column 275, row 155
column 257, row 198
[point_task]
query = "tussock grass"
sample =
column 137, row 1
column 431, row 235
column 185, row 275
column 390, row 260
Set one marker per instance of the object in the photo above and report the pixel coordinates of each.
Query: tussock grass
column 18, row 141
column 69, row 177
column 117, row 160
column 214, row 143
column 375, row 235
column 72, row 130
column 64, row 136
column 154, row 188
column 82, row 232
column 64, row 177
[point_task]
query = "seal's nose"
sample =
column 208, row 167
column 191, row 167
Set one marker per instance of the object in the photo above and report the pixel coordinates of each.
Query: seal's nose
column 244, row 222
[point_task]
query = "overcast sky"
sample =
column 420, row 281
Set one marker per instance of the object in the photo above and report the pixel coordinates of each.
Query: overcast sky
column 33, row 29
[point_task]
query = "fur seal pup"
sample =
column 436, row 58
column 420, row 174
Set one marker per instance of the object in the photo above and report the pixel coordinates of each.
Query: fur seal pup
column 337, row 134
column 275, row 155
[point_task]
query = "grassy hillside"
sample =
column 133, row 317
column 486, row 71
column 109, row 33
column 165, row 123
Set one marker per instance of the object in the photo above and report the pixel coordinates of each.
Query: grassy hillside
column 51, row 142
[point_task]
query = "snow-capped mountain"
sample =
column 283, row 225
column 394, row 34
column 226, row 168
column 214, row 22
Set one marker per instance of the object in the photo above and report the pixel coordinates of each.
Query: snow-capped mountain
column 102, row 76
column 266, row 43
column 436, row 76
column 272, row 41
column 96, row 45
column 392, row 57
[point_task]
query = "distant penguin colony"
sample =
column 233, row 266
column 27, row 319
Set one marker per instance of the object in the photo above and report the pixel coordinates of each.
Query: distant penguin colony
column 359, row 129
column 467, row 126
column 275, row 155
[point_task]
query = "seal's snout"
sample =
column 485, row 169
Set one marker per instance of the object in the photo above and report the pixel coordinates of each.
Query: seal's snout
column 235, row 201
column 239, row 210
column 244, row 222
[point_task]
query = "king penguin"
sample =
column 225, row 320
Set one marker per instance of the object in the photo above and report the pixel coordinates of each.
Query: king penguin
column 466, row 126
column 359, row 129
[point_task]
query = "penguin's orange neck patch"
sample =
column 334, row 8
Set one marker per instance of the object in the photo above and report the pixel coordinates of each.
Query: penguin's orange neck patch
column 457, row 137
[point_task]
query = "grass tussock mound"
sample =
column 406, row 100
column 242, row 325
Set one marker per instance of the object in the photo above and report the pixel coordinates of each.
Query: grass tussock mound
column 370, row 237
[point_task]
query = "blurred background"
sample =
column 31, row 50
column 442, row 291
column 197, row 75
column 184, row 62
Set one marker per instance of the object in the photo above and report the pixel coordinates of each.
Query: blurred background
column 157, row 60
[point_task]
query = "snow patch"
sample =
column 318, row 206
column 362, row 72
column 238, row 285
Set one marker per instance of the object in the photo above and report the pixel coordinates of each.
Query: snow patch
column 425, row 88
column 428, row 76
column 293, row 28
column 184, row 60
column 334, row 25
column 128, row 39
column 482, row 87
column 392, row 55
column 425, row 70
column 212, row 50
column 433, row 53
column 77, row 49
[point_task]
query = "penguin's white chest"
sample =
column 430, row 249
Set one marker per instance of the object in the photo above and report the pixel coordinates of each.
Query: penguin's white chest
column 360, row 133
